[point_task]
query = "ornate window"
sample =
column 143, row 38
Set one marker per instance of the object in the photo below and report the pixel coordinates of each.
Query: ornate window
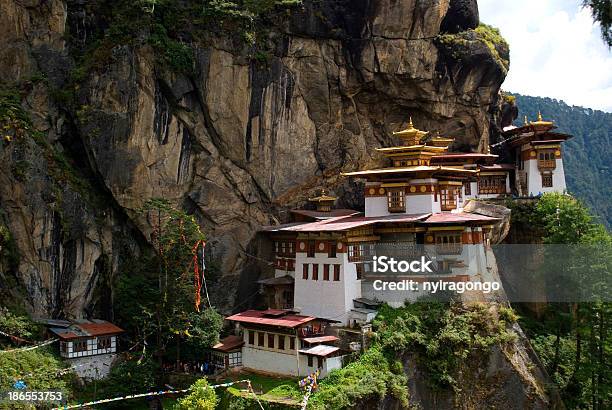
column 396, row 200
column 448, row 198
column 547, row 180
column 448, row 243
column 361, row 252
column 104, row 342
column 492, row 184
column 79, row 345
column 546, row 159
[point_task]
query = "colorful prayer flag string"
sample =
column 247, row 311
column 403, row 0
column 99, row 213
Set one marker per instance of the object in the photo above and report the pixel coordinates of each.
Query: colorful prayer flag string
column 151, row 394
column 23, row 349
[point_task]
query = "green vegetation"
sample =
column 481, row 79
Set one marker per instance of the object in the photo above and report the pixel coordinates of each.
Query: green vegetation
column 461, row 45
column 586, row 157
column 14, row 121
column 156, row 298
column 440, row 336
column 201, row 397
column 573, row 340
column 40, row 369
column 602, row 13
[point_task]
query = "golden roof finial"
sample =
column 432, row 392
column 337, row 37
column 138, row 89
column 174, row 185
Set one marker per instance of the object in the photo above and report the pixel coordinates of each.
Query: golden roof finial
column 526, row 121
column 411, row 135
column 540, row 122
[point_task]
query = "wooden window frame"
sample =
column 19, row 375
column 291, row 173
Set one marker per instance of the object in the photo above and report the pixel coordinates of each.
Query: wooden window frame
column 104, row 342
column 449, row 244
column 547, row 180
column 291, row 342
column 326, row 271
column 315, row 271
column 336, row 273
column 310, row 361
column 79, row 345
column 305, row 271
column 396, row 200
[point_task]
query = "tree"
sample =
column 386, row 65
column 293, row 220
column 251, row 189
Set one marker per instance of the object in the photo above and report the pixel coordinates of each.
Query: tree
column 602, row 13
column 160, row 299
column 202, row 397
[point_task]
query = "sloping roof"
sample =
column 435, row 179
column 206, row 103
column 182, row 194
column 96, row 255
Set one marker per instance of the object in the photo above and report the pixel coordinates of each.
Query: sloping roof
column 320, row 350
column 459, row 217
column 258, row 317
column 86, row 328
column 324, row 215
column 321, row 339
column 342, row 224
column 229, row 343
column 459, row 155
column 496, row 167
column 400, row 170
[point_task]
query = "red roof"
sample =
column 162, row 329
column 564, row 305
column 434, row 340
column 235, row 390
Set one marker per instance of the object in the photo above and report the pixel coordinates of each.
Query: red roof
column 448, row 217
column 229, row 343
column 258, row 317
column 98, row 329
column 342, row 224
column 320, row 339
column 86, row 328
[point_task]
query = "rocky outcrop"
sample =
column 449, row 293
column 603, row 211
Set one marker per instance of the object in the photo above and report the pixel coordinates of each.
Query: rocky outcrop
column 236, row 141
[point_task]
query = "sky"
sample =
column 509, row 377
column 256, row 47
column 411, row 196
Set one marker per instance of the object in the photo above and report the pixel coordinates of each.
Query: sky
column 555, row 50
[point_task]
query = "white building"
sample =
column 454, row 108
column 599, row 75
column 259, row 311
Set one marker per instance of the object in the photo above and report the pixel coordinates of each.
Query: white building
column 89, row 345
column 413, row 209
column 538, row 157
column 280, row 342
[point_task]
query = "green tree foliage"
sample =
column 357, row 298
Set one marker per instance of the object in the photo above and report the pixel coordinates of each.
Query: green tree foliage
column 157, row 301
column 440, row 336
column 40, row 369
column 602, row 13
column 202, row 397
column 574, row 340
column 586, row 157
column 16, row 325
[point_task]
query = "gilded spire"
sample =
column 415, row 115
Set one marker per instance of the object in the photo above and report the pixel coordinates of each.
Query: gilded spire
column 411, row 135
column 540, row 122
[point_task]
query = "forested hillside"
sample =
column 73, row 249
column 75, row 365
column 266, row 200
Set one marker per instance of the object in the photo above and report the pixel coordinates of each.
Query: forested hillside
column 587, row 155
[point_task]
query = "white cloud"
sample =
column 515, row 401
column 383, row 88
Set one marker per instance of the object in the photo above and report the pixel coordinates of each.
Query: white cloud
column 555, row 50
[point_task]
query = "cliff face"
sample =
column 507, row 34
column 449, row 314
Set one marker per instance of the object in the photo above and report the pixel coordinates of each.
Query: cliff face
column 236, row 141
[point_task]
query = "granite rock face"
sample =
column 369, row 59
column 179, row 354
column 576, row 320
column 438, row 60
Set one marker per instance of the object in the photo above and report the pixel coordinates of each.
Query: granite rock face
column 236, row 142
